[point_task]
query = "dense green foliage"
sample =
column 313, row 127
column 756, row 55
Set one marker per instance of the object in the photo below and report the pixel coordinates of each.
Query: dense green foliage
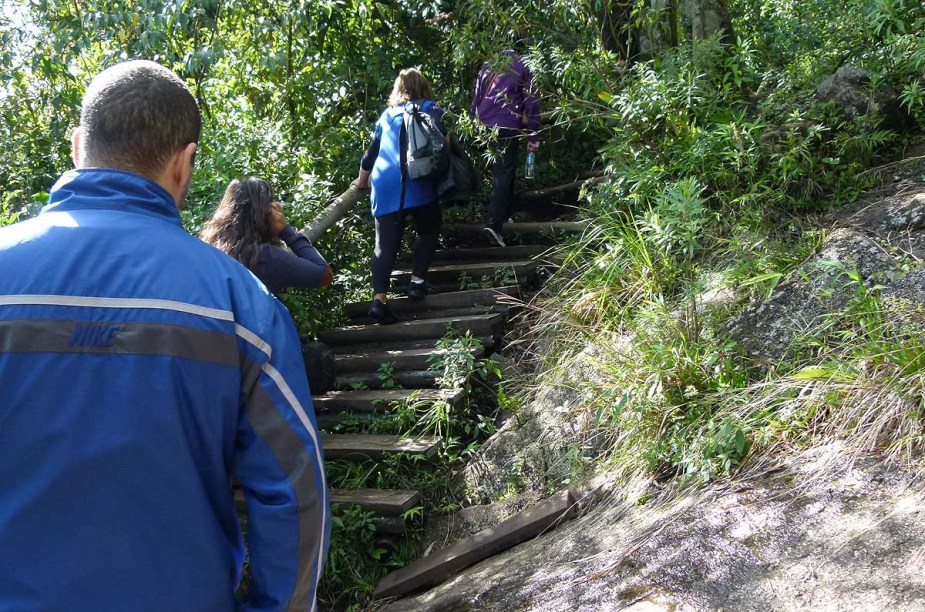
column 718, row 159
column 713, row 153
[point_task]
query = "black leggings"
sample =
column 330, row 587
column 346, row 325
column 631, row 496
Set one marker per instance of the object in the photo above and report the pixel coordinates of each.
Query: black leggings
column 506, row 148
column 389, row 231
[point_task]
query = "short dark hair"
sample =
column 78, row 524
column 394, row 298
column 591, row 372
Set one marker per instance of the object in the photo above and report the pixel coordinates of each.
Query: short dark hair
column 135, row 115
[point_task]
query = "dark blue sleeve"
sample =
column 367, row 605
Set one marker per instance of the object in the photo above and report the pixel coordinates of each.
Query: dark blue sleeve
column 369, row 158
column 304, row 267
column 437, row 114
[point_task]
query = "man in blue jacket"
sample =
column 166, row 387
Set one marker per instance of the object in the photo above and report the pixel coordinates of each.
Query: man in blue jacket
column 506, row 99
column 139, row 369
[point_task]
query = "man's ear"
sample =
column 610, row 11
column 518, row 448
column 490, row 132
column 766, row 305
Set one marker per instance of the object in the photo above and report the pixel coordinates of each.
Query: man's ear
column 178, row 173
column 76, row 135
column 184, row 165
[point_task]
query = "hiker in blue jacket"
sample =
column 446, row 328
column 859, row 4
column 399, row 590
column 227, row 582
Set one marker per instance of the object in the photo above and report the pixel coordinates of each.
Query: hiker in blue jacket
column 250, row 225
column 141, row 368
column 395, row 195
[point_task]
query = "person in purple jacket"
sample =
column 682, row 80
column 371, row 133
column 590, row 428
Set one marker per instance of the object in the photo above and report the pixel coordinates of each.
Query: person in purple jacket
column 505, row 99
column 251, row 226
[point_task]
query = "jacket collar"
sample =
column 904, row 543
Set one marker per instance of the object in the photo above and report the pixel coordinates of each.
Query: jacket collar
column 424, row 104
column 110, row 189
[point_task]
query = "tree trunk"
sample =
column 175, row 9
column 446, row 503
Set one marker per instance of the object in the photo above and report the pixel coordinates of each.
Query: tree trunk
column 708, row 17
column 660, row 28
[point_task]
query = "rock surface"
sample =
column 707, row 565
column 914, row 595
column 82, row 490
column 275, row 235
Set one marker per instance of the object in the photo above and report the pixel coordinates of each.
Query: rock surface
column 882, row 237
column 854, row 541
column 850, row 89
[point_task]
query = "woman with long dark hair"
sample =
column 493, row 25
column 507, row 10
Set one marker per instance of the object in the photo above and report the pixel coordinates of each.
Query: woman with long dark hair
column 251, row 226
column 395, row 194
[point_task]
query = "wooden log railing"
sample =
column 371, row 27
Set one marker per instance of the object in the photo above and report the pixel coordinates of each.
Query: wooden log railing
column 336, row 210
column 557, row 189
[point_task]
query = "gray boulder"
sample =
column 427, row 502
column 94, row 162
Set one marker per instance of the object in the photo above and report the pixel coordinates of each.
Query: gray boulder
column 850, row 88
column 766, row 331
column 882, row 237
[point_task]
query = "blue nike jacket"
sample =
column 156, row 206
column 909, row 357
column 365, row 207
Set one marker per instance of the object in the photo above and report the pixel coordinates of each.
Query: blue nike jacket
column 141, row 368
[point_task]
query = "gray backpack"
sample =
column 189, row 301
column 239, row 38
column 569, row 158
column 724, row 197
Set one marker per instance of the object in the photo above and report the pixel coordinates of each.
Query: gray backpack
column 427, row 156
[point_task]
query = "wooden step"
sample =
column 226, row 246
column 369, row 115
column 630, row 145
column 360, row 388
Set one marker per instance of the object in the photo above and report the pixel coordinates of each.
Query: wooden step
column 508, row 295
column 508, row 253
column 408, row 379
column 437, row 567
column 490, row 325
column 329, row 422
column 528, row 227
column 452, row 272
column 360, row 447
column 388, row 505
column 410, row 359
column 438, row 313
column 384, row 502
column 371, row 401
column 399, row 345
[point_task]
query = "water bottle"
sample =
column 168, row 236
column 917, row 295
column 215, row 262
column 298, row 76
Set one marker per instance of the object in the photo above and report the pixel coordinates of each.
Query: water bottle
column 530, row 170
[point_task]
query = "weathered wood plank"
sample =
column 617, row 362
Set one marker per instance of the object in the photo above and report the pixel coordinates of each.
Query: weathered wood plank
column 529, row 227
column 359, row 447
column 399, row 345
column 518, row 252
column 409, row 359
column 327, row 422
column 410, row 379
column 385, row 502
column 438, row 313
column 437, row 567
column 388, row 508
column 369, row 401
column 453, row 299
column 389, row 526
column 451, row 272
column 478, row 325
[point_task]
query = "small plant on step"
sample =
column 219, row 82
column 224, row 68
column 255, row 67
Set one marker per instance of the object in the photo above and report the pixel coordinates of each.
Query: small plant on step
column 456, row 357
column 354, row 563
column 386, row 374
column 501, row 277
column 466, row 282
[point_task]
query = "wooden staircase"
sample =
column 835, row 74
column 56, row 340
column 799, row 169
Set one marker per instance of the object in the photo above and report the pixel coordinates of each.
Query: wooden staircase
column 479, row 288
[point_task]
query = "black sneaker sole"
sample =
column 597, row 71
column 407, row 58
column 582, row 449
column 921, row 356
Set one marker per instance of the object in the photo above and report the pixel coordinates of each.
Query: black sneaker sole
column 383, row 320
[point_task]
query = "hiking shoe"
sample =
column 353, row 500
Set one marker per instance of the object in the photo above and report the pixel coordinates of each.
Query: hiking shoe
column 495, row 236
column 418, row 290
column 382, row 313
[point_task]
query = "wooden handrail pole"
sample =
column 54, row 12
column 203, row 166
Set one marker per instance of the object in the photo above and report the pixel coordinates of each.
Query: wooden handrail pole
column 548, row 191
column 336, row 210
